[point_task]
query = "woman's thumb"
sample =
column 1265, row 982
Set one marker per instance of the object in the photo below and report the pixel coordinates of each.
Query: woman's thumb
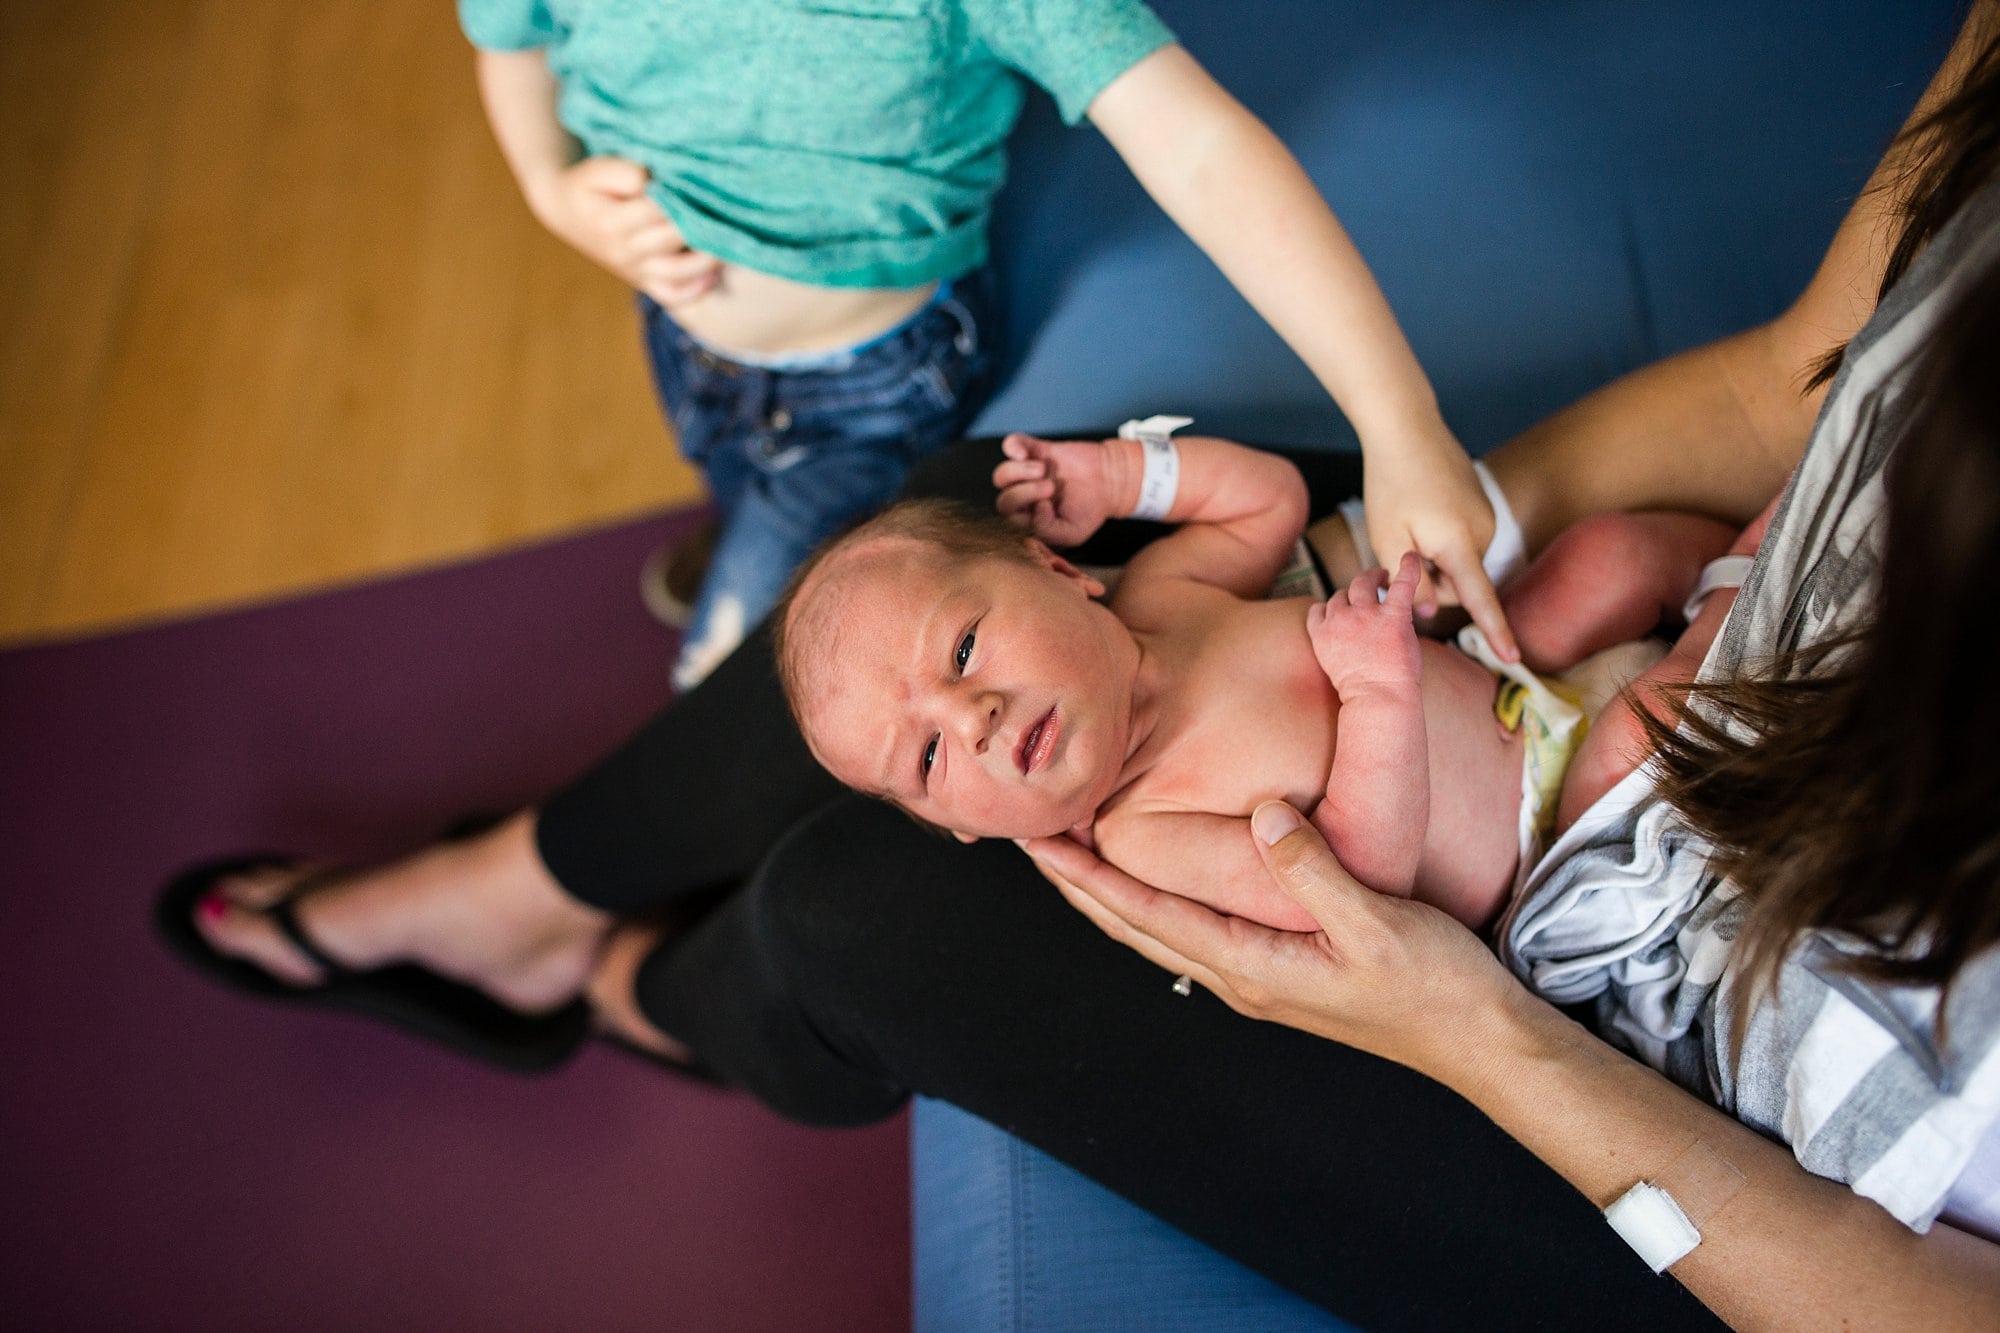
column 1299, row 859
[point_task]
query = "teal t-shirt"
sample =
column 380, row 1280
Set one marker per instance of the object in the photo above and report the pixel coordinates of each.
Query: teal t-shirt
column 848, row 143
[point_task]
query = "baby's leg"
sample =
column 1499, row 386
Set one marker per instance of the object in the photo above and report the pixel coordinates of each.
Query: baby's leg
column 1606, row 580
column 1617, row 741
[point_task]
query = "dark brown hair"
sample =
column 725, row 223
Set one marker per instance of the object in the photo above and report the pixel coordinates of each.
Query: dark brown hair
column 1855, row 786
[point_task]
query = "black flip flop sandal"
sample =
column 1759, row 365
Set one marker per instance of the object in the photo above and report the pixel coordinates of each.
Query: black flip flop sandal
column 404, row 995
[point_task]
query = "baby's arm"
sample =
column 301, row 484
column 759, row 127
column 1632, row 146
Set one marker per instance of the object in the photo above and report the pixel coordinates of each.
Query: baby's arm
column 1241, row 510
column 1378, row 792
column 1209, row 858
column 596, row 204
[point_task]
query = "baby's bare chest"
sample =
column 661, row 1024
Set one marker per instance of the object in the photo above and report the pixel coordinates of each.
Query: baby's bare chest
column 1253, row 718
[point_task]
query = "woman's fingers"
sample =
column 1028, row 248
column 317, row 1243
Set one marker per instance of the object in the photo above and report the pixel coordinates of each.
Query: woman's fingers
column 1178, row 933
column 1132, row 937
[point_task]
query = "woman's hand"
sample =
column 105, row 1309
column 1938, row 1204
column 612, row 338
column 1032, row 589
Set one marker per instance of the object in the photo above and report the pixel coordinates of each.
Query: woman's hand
column 1386, row 975
column 600, row 207
column 1422, row 495
column 1405, row 982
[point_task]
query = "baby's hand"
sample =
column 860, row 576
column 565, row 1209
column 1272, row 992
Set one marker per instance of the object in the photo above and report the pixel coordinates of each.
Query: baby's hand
column 600, row 206
column 1058, row 490
column 1368, row 643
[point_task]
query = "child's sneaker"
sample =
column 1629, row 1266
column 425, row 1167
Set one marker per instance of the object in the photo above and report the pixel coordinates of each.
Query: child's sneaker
column 670, row 580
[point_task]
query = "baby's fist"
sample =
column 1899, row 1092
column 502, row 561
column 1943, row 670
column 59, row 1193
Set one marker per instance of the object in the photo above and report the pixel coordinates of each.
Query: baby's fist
column 1366, row 640
column 1055, row 489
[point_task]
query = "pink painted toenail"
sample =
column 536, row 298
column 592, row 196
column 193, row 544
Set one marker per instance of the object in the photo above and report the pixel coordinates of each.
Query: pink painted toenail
column 213, row 907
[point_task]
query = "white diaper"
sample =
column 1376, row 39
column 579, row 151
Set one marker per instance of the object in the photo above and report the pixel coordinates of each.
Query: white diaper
column 1552, row 730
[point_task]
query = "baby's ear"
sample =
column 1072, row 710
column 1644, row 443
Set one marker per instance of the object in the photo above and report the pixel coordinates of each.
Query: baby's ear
column 1091, row 587
column 967, row 838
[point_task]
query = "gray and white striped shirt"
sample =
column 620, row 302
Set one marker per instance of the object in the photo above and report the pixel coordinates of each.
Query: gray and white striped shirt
column 1624, row 909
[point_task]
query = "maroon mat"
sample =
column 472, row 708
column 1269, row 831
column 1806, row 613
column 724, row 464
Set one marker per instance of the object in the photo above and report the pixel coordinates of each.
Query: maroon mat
column 175, row 1156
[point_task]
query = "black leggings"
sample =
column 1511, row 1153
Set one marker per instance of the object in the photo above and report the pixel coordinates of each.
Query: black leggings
column 862, row 959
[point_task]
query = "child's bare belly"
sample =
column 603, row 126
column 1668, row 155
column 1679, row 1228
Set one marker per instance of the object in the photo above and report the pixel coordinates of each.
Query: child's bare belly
column 754, row 312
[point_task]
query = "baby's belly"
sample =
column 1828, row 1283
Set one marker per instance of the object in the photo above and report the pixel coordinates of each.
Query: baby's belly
column 1473, row 840
column 755, row 312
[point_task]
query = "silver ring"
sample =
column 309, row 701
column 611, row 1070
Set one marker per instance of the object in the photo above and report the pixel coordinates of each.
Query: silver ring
column 1183, row 985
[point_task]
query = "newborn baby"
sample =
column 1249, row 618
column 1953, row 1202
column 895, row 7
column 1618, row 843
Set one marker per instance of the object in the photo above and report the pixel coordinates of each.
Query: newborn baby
column 965, row 671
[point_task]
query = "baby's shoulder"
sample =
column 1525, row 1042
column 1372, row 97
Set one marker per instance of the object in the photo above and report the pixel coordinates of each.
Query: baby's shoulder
column 1166, row 603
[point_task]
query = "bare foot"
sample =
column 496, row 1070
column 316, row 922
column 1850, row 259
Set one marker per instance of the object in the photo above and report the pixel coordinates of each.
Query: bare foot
column 484, row 911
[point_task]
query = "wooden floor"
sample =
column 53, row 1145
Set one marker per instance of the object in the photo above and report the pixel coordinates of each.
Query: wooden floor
column 273, row 316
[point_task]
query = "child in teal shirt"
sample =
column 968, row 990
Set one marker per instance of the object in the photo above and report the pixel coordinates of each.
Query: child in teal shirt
column 800, row 195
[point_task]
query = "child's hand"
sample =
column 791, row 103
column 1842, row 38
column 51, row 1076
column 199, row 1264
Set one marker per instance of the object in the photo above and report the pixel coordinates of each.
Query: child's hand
column 1364, row 643
column 599, row 206
column 1423, row 496
column 1060, row 491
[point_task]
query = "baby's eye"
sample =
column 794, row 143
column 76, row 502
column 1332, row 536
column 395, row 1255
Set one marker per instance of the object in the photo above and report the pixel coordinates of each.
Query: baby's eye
column 964, row 653
column 930, row 755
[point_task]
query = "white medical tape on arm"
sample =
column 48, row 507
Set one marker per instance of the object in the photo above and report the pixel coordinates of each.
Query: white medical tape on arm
column 1661, row 1219
column 1507, row 554
column 1160, row 482
column 1647, row 1218
column 1356, row 518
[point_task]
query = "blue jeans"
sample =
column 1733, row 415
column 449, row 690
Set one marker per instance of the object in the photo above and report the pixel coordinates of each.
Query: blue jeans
column 796, row 450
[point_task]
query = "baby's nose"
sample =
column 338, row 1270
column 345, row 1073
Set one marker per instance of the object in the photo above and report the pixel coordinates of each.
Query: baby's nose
column 978, row 716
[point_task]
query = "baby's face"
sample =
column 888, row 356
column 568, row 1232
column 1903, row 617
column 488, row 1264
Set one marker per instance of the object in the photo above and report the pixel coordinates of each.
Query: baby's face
column 987, row 695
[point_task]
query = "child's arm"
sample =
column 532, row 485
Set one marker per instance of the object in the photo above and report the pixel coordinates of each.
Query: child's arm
column 1378, row 792
column 1241, row 510
column 1242, row 197
column 596, row 204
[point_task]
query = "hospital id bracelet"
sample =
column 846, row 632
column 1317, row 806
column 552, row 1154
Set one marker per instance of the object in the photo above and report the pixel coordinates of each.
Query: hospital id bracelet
column 1160, row 481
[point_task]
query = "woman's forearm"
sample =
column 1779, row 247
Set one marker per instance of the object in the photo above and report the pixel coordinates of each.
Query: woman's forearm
column 1714, row 430
column 1400, row 980
column 1789, row 1249
column 1717, row 429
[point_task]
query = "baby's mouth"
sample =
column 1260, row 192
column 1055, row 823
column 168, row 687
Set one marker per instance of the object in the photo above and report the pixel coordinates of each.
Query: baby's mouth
column 1038, row 744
